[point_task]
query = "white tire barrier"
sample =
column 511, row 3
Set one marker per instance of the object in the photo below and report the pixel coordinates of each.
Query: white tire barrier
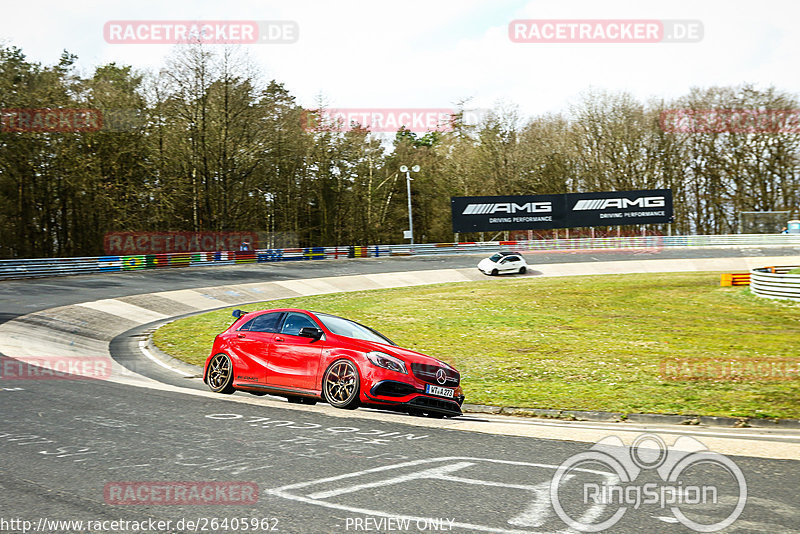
column 775, row 283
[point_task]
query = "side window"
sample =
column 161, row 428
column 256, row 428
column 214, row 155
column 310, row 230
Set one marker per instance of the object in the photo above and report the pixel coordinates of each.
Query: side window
column 267, row 322
column 247, row 325
column 513, row 258
column 294, row 322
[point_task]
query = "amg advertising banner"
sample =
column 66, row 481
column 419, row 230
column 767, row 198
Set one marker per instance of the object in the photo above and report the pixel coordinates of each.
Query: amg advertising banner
column 572, row 210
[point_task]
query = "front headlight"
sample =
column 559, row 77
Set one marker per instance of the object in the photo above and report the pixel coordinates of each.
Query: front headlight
column 387, row 361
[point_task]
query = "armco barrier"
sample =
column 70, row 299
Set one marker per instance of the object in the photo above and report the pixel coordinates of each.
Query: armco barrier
column 734, row 279
column 44, row 267
column 775, row 283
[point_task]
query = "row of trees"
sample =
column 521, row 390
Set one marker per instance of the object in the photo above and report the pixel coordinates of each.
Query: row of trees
column 207, row 144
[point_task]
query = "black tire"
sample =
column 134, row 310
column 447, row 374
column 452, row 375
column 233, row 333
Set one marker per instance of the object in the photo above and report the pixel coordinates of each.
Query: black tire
column 522, row 270
column 494, row 272
column 341, row 384
column 220, row 374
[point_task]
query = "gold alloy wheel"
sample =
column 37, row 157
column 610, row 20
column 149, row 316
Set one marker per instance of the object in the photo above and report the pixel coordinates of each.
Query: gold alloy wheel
column 340, row 384
column 220, row 374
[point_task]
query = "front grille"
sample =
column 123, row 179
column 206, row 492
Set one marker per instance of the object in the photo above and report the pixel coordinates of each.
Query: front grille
column 390, row 388
column 427, row 373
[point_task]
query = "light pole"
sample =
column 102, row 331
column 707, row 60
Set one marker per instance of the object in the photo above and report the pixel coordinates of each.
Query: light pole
column 415, row 168
column 269, row 203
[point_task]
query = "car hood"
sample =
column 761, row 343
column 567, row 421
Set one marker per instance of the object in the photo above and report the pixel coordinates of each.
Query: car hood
column 393, row 350
column 486, row 262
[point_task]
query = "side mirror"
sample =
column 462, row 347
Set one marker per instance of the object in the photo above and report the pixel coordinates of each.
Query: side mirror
column 310, row 331
column 237, row 313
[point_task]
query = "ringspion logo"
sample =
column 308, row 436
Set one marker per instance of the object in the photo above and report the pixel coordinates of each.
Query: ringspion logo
column 685, row 483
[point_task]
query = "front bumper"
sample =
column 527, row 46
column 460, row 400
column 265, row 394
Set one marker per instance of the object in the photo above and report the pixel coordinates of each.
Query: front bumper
column 404, row 395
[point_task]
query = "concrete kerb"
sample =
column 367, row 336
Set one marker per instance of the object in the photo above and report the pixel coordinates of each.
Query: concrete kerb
column 191, row 370
column 792, row 424
column 638, row 418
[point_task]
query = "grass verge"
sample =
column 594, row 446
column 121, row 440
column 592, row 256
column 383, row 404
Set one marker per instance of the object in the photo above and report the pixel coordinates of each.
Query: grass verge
column 579, row 343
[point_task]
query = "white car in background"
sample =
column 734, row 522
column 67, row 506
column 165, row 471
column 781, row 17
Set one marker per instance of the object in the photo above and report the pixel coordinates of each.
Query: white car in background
column 503, row 262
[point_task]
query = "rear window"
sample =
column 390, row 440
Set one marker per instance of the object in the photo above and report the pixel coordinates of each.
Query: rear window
column 267, row 322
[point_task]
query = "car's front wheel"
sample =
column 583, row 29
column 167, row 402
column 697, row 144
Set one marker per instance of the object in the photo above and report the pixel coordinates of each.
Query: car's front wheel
column 494, row 272
column 340, row 385
column 220, row 374
column 522, row 270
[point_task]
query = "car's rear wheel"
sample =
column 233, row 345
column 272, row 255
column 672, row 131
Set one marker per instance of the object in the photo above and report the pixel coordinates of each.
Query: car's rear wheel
column 522, row 270
column 220, row 374
column 340, row 385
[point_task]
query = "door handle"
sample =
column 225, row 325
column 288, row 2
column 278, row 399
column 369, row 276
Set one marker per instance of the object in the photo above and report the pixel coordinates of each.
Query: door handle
column 240, row 335
column 278, row 338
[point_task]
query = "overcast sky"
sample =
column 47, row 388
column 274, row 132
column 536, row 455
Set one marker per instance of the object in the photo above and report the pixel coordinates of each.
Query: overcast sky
column 433, row 53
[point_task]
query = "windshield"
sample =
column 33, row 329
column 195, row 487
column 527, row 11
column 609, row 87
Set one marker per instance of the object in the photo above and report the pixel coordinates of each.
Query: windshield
column 496, row 258
column 347, row 328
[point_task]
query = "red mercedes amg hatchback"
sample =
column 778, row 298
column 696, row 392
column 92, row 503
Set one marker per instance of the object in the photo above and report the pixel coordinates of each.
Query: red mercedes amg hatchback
column 307, row 356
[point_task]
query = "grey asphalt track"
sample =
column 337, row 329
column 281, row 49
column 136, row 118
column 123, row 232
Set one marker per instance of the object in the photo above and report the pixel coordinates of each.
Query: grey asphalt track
column 68, row 445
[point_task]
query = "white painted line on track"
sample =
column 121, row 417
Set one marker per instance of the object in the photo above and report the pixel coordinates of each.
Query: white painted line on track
column 434, row 472
column 623, row 427
column 149, row 355
column 532, row 516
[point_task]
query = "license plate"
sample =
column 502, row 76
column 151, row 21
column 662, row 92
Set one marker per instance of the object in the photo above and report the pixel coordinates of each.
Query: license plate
column 442, row 392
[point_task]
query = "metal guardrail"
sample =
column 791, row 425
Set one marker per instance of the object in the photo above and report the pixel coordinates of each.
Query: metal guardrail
column 734, row 279
column 45, row 267
column 775, row 282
